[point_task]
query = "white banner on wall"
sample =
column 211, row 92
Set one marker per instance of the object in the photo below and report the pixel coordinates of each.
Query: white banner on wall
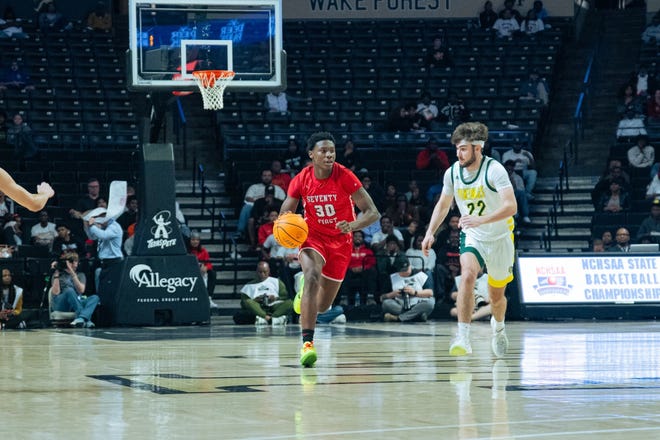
column 404, row 9
column 589, row 279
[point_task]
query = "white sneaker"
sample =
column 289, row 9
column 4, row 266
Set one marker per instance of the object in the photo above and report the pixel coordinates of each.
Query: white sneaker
column 78, row 322
column 260, row 321
column 499, row 341
column 212, row 304
column 280, row 320
column 460, row 346
column 341, row 319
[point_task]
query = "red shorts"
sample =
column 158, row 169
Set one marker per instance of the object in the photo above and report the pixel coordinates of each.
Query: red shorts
column 336, row 253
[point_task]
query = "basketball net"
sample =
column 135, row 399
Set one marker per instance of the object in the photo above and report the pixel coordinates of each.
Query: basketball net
column 212, row 84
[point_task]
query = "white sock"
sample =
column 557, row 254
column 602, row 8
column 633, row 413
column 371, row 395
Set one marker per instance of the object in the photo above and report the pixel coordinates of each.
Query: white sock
column 499, row 325
column 464, row 329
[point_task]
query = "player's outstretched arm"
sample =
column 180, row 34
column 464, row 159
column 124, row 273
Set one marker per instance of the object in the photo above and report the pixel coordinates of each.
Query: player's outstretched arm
column 33, row 202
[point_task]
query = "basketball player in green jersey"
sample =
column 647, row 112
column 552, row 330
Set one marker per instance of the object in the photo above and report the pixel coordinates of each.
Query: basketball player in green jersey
column 33, row 202
column 484, row 195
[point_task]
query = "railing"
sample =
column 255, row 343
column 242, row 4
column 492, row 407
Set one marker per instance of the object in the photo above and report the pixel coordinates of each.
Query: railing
column 179, row 127
column 583, row 108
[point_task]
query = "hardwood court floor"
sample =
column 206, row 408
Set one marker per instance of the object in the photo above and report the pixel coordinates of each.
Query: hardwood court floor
column 565, row 380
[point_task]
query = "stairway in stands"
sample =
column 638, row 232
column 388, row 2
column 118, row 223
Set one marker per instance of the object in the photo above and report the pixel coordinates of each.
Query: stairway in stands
column 619, row 52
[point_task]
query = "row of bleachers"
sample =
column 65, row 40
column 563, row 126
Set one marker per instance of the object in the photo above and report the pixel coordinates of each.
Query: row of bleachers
column 80, row 98
column 347, row 77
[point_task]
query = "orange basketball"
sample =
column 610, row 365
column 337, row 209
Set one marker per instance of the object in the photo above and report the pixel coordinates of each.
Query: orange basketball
column 290, row 230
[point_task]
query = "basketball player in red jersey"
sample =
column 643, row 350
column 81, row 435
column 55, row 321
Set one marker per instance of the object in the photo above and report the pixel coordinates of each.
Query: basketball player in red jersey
column 33, row 202
column 328, row 191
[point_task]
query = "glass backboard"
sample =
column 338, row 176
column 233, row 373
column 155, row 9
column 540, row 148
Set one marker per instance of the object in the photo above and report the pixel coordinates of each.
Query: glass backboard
column 169, row 39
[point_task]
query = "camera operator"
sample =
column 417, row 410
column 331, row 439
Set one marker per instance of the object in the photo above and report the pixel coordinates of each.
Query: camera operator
column 68, row 289
column 411, row 298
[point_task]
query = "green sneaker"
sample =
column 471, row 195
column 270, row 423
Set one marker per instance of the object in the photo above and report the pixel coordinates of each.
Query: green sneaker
column 307, row 355
column 296, row 302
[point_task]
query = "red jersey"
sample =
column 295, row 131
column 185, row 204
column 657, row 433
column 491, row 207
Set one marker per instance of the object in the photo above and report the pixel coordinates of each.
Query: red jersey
column 326, row 201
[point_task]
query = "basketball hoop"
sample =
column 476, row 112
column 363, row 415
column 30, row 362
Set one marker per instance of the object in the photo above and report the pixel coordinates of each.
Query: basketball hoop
column 212, row 84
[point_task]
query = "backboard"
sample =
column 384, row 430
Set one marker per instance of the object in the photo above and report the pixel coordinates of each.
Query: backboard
column 169, row 39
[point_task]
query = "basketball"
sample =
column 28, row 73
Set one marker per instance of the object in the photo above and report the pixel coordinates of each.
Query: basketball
column 290, row 230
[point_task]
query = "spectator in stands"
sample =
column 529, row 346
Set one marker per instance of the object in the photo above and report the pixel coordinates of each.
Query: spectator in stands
column 642, row 82
column 616, row 199
column 535, row 88
column 641, row 155
column 411, row 298
column 283, row 261
column 539, row 10
column 106, row 235
column 631, row 112
column 438, row 59
column 510, row 10
column 6, row 206
column 427, row 110
column 280, row 177
column 653, row 108
column 277, row 102
column 653, row 190
column 409, row 233
column 519, row 191
column 16, row 78
column 44, row 232
column 67, row 242
column 487, row 17
column 391, row 193
column 10, row 26
column 20, row 137
column 266, row 227
column 450, row 224
column 293, row 159
column 68, row 289
column 650, row 226
column 88, row 201
column 11, row 302
column 525, row 166
column 129, row 216
column 387, row 259
column 13, row 235
column 254, row 192
column 401, row 212
column 651, row 34
column 455, row 111
column 351, row 158
column 100, row 19
column 266, row 298
column 402, row 120
column 379, row 239
column 418, row 260
column 370, row 230
column 607, row 238
column 481, row 299
column 260, row 214
column 614, row 170
column 506, row 25
column 361, row 276
column 532, row 24
column 597, row 245
column 622, row 243
column 51, row 20
column 205, row 266
column 3, row 128
column 432, row 158
column 449, row 264
column 375, row 191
